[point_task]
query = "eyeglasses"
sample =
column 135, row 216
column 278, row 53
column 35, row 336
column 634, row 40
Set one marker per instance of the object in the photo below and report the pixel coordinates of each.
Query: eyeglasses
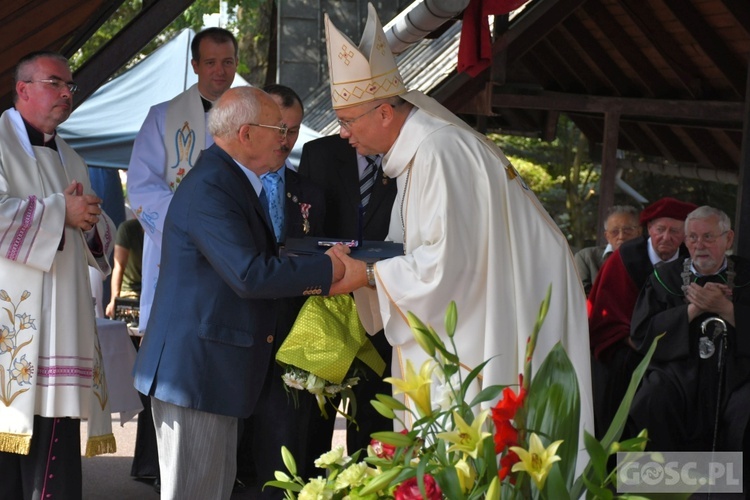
column 346, row 124
column 626, row 231
column 283, row 129
column 707, row 238
column 58, row 85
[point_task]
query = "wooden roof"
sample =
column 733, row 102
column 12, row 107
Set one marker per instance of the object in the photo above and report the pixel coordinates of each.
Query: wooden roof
column 675, row 71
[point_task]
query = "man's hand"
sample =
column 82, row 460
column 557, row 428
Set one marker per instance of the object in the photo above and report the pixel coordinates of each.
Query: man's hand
column 713, row 298
column 81, row 210
column 355, row 276
column 338, row 266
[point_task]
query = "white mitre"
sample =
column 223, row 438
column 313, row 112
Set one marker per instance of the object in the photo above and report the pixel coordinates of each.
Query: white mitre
column 365, row 73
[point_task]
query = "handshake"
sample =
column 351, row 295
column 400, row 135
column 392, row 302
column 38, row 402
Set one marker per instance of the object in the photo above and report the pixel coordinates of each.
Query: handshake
column 348, row 274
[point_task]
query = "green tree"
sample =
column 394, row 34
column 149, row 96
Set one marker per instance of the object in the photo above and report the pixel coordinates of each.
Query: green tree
column 572, row 173
column 250, row 21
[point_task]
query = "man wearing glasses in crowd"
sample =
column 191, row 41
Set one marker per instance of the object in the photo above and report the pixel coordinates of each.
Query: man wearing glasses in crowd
column 612, row 300
column 694, row 397
column 53, row 229
column 621, row 226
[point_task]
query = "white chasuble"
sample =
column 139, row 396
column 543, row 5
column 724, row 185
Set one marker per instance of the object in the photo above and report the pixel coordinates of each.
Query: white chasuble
column 165, row 149
column 473, row 233
column 50, row 361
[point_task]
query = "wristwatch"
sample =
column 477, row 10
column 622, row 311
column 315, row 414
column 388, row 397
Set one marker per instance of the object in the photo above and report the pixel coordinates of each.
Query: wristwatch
column 370, row 274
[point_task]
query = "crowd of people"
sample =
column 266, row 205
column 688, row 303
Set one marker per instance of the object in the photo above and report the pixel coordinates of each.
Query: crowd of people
column 218, row 294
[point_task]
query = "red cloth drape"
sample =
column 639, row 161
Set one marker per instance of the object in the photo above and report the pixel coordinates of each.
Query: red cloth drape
column 475, row 47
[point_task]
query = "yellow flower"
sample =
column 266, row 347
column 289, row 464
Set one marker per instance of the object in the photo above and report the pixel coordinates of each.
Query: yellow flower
column 466, row 438
column 330, row 458
column 466, row 475
column 316, row 489
column 417, row 387
column 537, row 461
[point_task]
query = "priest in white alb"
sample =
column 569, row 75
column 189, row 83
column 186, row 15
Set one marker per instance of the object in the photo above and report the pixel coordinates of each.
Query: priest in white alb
column 472, row 230
column 51, row 230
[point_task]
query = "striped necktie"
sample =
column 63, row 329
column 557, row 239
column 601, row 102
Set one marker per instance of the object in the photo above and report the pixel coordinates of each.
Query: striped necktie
column 368, row 180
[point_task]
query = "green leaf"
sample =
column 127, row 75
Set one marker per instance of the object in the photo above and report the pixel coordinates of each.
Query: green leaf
column 618, row 423
column 383, row 409
column 393, row 438
column 448, row 481
column 554, row 407
column 555, row 486
column 598, row 456
column 284, row 485
column 380, row 482
column 391, row 402
column 596, row 491
column 487, row 394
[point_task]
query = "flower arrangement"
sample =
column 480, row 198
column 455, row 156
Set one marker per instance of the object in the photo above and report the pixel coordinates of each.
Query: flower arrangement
column 524, row 446
column 326, row 351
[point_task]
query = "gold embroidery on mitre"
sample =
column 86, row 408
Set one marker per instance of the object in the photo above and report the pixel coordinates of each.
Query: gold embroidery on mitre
column 346, row 55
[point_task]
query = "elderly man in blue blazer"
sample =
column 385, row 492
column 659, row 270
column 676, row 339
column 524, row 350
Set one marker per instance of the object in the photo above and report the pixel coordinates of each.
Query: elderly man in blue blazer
column 205, row 359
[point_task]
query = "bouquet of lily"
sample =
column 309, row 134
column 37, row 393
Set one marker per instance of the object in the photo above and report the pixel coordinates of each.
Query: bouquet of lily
column 524, row 446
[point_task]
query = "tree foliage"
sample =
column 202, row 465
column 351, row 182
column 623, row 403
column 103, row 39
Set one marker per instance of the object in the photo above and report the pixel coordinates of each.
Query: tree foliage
column 249, row 20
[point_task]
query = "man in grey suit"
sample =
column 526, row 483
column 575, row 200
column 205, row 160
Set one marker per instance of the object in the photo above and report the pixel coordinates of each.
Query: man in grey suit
column 207, row 355
column 620, row 226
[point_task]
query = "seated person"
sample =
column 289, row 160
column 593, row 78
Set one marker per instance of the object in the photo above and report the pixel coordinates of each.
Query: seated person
column 683, row 396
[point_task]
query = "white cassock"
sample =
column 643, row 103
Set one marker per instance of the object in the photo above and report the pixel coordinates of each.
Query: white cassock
column 475, row 234
column 50, row 358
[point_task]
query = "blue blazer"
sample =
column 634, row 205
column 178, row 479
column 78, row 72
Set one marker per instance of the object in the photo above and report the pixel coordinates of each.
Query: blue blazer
column 211, row 332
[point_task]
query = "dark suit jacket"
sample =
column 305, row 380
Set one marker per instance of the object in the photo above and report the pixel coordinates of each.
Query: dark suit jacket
column 331, row 163
column 212, row 327
column 300, row 190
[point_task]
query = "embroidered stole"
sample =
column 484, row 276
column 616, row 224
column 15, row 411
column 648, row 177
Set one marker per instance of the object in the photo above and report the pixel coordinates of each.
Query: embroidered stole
column 184, row 134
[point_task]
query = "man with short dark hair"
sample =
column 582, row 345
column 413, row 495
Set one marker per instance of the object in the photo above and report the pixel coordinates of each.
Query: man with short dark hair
column 52, row 230
column 168, row 144
column 694, row 396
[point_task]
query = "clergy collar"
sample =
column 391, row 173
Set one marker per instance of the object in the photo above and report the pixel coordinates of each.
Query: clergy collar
column 39, row 138
column 654, row 257
column 206, row 104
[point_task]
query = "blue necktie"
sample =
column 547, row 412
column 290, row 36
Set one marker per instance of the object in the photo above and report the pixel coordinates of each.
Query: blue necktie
column 275, row 193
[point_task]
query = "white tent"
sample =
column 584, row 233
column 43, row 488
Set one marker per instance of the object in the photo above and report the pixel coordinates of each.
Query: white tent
column 103, row 128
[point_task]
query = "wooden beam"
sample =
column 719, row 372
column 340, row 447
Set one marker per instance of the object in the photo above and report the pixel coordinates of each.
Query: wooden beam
column 600, row 59
column 722, row 112
column 152, row 19
column 523, row 33
column 86, row 31
column 741, row 13
column 710, row 43
column 609, row 171
column 642, row 15
column 654, row 82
